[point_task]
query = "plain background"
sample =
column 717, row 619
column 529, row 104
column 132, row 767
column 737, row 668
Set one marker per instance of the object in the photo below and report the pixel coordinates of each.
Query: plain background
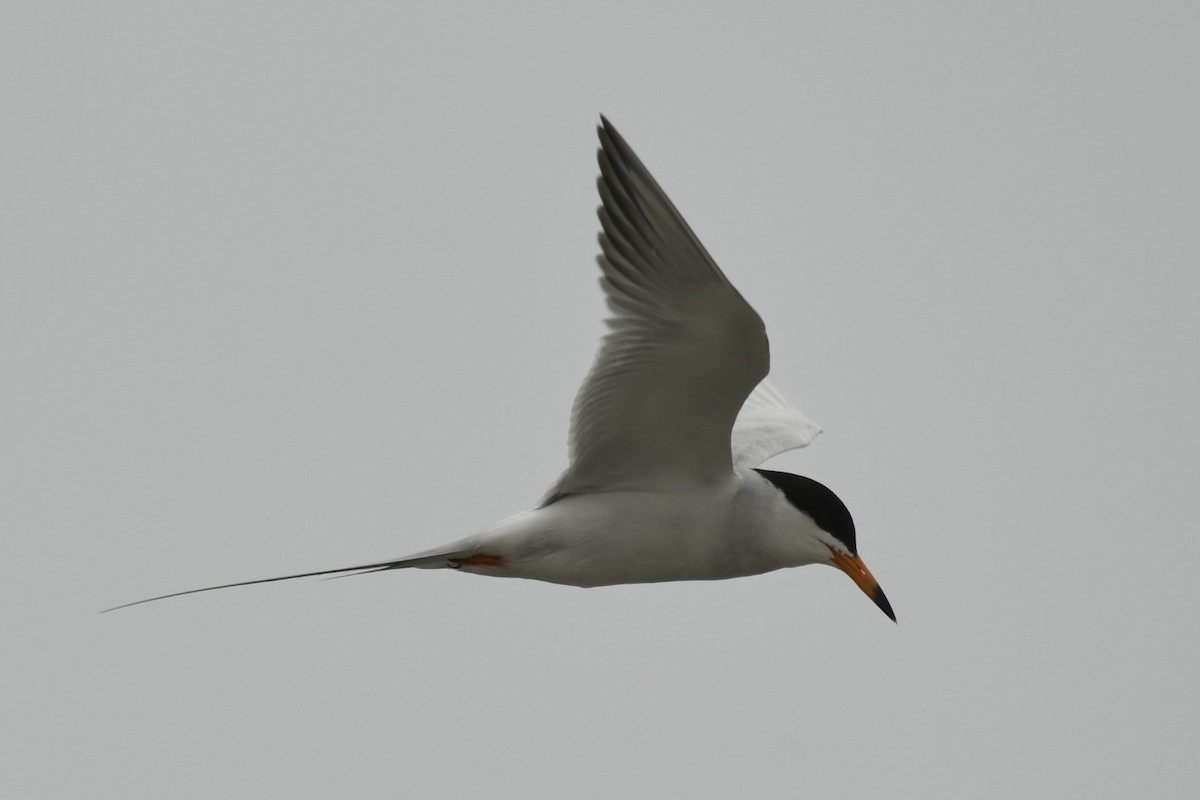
column 299, row 285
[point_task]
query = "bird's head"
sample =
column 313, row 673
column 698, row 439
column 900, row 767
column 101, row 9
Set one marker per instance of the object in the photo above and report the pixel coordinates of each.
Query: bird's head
column 833, row 530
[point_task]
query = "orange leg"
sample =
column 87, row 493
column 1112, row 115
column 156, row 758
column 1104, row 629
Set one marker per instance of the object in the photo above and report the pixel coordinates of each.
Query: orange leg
column 482, row 560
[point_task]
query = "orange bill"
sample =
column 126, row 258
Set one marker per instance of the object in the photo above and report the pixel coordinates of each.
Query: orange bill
column 858, row 572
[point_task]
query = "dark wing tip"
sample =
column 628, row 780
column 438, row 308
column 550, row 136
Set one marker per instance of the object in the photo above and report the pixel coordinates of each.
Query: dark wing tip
column 614, row 143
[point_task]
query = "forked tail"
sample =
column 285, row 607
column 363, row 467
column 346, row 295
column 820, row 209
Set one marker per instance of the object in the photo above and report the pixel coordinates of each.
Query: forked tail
column 431, row 559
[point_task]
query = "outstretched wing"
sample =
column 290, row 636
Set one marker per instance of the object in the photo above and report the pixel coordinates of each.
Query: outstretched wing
column 769, row 425
column 683, row 352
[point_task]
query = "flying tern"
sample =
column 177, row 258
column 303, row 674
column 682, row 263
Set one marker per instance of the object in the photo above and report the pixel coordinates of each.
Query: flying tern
column 667, row 432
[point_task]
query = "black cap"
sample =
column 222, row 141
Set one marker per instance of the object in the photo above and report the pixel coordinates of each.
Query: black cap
column 817, row 501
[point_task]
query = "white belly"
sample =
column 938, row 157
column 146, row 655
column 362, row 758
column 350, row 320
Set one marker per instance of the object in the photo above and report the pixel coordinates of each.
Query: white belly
column 632, row 537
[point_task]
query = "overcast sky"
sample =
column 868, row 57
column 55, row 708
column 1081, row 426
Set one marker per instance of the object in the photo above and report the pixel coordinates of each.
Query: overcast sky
column 293, row 286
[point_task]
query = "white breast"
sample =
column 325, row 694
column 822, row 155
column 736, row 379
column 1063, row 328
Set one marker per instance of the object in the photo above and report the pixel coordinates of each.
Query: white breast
column 739, row 527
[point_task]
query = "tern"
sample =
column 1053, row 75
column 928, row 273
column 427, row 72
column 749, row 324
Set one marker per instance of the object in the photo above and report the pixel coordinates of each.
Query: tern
column 667, row 432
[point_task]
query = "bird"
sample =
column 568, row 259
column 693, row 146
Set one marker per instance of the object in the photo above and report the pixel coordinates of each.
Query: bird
column 667, row 435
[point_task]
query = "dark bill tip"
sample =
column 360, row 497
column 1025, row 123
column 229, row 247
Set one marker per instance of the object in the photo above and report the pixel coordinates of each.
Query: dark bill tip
column 880, row 599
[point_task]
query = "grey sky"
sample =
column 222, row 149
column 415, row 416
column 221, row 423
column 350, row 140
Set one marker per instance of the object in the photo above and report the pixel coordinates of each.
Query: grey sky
column 291, row 286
